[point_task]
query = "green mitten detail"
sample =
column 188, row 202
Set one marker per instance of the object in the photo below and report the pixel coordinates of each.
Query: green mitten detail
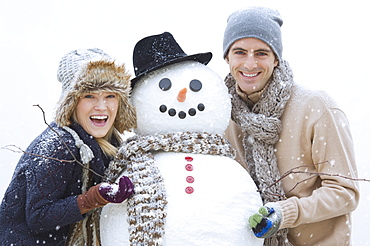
column 266, row 222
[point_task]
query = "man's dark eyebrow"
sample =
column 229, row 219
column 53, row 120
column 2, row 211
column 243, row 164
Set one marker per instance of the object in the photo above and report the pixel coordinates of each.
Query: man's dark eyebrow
column 259, row 50
column 238, row 48
column 263, row 50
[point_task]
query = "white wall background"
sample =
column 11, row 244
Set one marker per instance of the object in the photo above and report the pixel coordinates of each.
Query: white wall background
column 325, row 42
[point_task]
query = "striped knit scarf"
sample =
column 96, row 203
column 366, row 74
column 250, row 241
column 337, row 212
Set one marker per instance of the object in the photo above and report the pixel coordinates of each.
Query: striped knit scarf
column 262, row 126
column 147, row 207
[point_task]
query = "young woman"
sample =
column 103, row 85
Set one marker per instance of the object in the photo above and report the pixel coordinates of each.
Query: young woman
column 57, row 188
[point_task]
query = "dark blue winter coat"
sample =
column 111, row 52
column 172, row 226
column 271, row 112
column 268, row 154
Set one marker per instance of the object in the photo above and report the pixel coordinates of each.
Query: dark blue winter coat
column 40, row 202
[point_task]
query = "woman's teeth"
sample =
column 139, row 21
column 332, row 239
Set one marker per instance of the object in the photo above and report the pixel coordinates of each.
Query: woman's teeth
column 99, row 118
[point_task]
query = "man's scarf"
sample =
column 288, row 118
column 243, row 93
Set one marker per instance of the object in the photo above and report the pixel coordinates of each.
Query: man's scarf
column 262, row 126
column 147, row 207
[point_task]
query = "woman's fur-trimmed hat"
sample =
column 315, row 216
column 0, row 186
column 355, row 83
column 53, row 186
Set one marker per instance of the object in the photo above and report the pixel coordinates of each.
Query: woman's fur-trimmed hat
column 91, row 70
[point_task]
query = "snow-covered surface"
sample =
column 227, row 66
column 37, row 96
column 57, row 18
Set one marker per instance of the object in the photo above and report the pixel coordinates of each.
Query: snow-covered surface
column 325, row 42
column 216, row 213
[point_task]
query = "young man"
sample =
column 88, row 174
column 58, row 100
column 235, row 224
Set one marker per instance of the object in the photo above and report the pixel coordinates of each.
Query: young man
column 281, row 128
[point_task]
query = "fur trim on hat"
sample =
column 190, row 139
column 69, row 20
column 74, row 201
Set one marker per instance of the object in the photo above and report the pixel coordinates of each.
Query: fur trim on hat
column 98, row 76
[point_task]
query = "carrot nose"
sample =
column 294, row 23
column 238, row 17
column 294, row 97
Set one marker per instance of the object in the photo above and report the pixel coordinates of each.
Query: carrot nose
column 182, row 95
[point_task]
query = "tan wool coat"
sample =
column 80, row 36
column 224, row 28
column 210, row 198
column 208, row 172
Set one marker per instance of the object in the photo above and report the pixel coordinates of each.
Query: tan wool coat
column 315, row 143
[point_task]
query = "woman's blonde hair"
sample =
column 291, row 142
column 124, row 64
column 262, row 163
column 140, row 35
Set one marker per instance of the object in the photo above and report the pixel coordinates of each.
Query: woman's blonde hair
column 105, row 142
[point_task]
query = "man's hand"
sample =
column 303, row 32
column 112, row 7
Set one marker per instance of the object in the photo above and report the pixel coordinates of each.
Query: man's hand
column 266, row 222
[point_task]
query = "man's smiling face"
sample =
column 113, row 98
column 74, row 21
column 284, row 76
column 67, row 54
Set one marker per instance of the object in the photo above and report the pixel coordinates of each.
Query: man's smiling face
column 251, row 63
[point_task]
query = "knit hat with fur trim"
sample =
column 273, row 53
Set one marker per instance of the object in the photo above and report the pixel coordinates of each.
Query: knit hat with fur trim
column 255, row 22
column 91, row 70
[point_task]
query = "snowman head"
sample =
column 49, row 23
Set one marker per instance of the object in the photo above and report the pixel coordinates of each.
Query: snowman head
column 185, row 96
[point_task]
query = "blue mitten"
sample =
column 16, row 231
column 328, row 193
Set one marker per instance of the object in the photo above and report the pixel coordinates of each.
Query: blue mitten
column 266, row 222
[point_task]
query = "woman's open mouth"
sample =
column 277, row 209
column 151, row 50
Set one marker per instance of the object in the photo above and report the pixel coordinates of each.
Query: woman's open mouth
column 99, row 120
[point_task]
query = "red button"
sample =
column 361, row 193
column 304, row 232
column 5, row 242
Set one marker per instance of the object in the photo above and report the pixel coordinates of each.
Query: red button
column 189, row 167
column 188, row 158
column 189, row 189
column 189, row 179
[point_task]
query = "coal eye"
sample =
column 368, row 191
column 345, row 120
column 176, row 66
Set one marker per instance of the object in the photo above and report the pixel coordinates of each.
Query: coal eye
column 165, row 84
column 195, row 85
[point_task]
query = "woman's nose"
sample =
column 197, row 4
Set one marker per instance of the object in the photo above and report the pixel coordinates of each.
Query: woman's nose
column 101, row 104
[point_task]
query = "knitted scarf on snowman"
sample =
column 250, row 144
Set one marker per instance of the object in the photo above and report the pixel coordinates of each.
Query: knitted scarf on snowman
column 262, row 126
column 147, row 207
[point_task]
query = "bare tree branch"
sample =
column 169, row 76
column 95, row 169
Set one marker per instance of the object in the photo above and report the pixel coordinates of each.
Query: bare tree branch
column 312, row 175
column 8, row 147
column 19, row 150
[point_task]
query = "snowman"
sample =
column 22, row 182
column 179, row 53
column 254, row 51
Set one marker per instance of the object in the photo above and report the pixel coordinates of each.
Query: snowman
column 188, row 188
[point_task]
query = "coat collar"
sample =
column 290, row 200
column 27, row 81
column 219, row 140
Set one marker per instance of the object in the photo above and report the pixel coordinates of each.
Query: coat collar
column 100, row 161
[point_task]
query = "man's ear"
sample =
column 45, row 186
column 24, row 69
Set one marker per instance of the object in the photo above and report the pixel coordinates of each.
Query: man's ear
column 226, row 59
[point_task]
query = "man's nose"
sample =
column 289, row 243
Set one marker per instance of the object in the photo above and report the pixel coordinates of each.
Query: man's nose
column 250, row 62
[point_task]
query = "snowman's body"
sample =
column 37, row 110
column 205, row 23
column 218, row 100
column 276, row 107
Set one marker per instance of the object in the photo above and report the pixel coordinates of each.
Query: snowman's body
column 209, row 197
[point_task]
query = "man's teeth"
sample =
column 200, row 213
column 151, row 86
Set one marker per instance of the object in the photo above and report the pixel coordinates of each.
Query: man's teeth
column 250, row 75
column 99, row 117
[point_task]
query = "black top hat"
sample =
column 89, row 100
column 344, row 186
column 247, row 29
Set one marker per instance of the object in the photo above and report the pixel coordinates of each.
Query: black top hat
column 161, row 50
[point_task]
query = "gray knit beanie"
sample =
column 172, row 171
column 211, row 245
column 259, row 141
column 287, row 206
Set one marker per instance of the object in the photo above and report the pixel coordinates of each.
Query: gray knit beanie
column 255, row 22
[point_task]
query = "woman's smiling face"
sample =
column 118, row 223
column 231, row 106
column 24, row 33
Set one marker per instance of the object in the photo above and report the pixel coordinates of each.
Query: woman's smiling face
column 251, row 63
column 96, row 112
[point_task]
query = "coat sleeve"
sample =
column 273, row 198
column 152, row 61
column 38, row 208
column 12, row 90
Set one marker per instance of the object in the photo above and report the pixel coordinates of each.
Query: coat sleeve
column 336, row 192
column 52, row 185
